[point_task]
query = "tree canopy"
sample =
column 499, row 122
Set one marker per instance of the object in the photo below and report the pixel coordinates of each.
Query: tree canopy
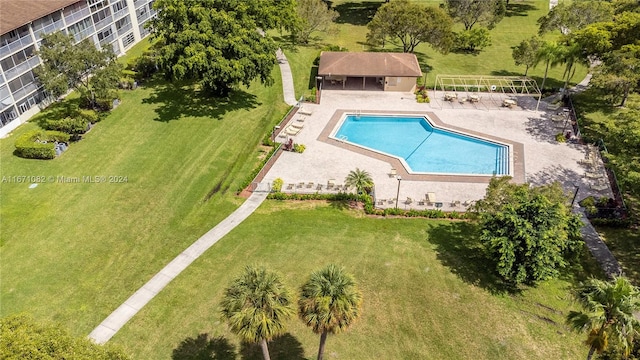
column 607, row 314
column 411, row 24
column 529, row 233
column 256, row 306
column 472, row 12
column 568, row 17
column 21, row 337
column 526, row 53
column 313, row 15
column 220, row 43
column 66, row 66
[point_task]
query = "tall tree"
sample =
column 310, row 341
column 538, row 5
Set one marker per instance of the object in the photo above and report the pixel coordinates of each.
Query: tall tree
column 529, row 233
column 568, row 17
column 607, row 314
column 220, row 43
column 550, row 53
column 619, row 73
column 359, row 179
column 329, row 302
column 571, row 54
column 256, row 306
column 313, row 15
column 472, row 12
column 526, row 53
column 67, row 66
column 22, row 337
column 411, row 24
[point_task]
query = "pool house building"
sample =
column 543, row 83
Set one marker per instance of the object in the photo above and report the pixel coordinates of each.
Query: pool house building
column 368, row 71
column 115, row 23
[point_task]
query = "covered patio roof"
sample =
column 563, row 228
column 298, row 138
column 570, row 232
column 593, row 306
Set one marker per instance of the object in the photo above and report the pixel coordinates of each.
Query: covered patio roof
column 368, row 64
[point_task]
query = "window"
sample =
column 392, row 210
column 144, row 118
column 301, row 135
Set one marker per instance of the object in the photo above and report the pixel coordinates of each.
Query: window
column 96, row 5
column 105, row 35
column 122, row 22
column 128, row 39
column 21, row 81
column 119, row 5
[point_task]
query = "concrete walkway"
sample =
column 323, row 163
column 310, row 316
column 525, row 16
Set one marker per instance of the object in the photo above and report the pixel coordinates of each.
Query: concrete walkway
column 598, row 248
column 114, row 322
column 287, row 79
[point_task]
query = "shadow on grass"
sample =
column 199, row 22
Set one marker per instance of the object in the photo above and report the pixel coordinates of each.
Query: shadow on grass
column 624, row 244
column 57, row 111
column 203, row 347
column 459, row 248
column 285, row 347
column 357, row 13
column 178, row 100
column 339, row 204
column 519, row 9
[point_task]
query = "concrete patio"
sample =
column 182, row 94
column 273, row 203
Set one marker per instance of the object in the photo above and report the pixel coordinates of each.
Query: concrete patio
column 544, row 160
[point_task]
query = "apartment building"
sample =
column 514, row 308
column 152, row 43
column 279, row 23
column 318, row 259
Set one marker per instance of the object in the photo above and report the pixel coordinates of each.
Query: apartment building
column 108, row 23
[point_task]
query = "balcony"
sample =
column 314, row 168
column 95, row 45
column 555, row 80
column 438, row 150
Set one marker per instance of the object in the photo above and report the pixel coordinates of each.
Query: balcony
column 139, row 3
column 144, row 16
column 84, row 34
column 49, row 29
column 124, row 29
column 26, row 90
column 120, row 13
column 107, row 39
column 22, row 67
column 76, row 16
column 16, row 45
column 104, row 23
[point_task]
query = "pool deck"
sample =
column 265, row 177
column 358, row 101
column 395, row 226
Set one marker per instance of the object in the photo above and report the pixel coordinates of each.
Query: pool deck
column 538, row 157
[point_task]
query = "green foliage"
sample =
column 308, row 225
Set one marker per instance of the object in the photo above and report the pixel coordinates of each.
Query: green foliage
column 529, row 233
column 330, row 302
column 473, row 40
column 411, row 24
column 313, row 15
column 607, row 314
column 276, row 186
column 257, row 305
column 144, row 65
column 299, row 148
column 217, row 42
column 267, row 141
column 89, row 115
column 39, row 144
column 21, row 337
column 619, row 73
column 575, row 15
column 359, row 179
column 560, row 137
column 69, row 125
column 422, row 96
column 526, row 53
column 472, row 12
column 66, row 66
column 252, row 175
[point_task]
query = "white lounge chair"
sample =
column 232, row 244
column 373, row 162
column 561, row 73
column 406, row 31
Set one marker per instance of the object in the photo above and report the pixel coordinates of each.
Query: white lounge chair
column 304, row 111
column 431, row 198
column 290, row 130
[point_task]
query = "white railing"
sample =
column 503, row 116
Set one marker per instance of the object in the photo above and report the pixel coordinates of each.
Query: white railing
column 107, row 39
column 22, row 67
column 120, row 13
column 28, row 89
column 124, row 29
column 16, row 45
column 78, row 15
column 103, row 23
column 84, row 33
column 49, row 28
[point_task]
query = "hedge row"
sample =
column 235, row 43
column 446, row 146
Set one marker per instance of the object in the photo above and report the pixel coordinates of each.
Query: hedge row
column 39, row 144
column 368, row 205
column 257, row 169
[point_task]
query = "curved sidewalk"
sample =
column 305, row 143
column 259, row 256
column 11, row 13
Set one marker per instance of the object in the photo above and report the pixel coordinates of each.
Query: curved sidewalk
column 114, row 322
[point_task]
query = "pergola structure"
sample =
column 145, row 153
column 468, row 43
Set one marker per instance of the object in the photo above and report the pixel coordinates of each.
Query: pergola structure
column 498, row 85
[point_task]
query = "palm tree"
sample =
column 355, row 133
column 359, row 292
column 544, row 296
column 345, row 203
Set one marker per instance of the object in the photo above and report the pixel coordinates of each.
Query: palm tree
column 360, row 179
column 608, row 313
column 256, row 306
column 550, row 53
column 570, row 56
column 329, row 302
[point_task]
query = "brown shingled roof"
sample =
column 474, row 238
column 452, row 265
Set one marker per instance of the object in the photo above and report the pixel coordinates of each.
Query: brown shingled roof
column 368, row 64
column 15, row 13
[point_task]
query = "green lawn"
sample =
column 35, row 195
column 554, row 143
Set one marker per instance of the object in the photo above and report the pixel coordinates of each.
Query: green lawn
column 519, row 24
column 73, row 252
column 426, row 292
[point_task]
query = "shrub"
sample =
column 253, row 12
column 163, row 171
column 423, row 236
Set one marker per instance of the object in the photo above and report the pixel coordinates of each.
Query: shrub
column 69, row 125
column 277, row 185
column 473, row 40
column 299, row 148
column 89, row 115
column 257, row 169
column 312, row 97
column 266, row 141
column 39, row 144
column 560, row 137
column 145, row 65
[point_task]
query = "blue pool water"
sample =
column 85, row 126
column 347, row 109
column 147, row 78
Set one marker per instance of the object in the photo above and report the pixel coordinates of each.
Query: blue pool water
column 425, row 149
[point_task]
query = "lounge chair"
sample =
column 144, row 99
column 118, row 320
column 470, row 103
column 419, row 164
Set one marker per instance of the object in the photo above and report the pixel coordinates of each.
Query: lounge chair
column 290, row 186
column 393, row 172
column 408, row 201
column 292, row 130
column 301, row 118
column 309, row 185
column 381, row 201
column 303, row 111
column 296, row 126
column 431, row 198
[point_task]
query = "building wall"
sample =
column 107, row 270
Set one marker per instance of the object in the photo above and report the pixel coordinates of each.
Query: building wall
column 116, row 23
column 393, row 83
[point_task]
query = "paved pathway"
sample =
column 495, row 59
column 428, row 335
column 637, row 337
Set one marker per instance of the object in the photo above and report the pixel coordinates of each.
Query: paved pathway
column 287, row 79
column 110, row 326
column 598, row 248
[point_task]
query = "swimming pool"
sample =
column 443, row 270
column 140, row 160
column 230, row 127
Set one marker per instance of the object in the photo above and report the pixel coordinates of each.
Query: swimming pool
column 424, row 148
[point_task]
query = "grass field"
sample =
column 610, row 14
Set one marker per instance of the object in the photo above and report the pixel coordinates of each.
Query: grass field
column 519, row 24
column 73, row 251
column 426, row 292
